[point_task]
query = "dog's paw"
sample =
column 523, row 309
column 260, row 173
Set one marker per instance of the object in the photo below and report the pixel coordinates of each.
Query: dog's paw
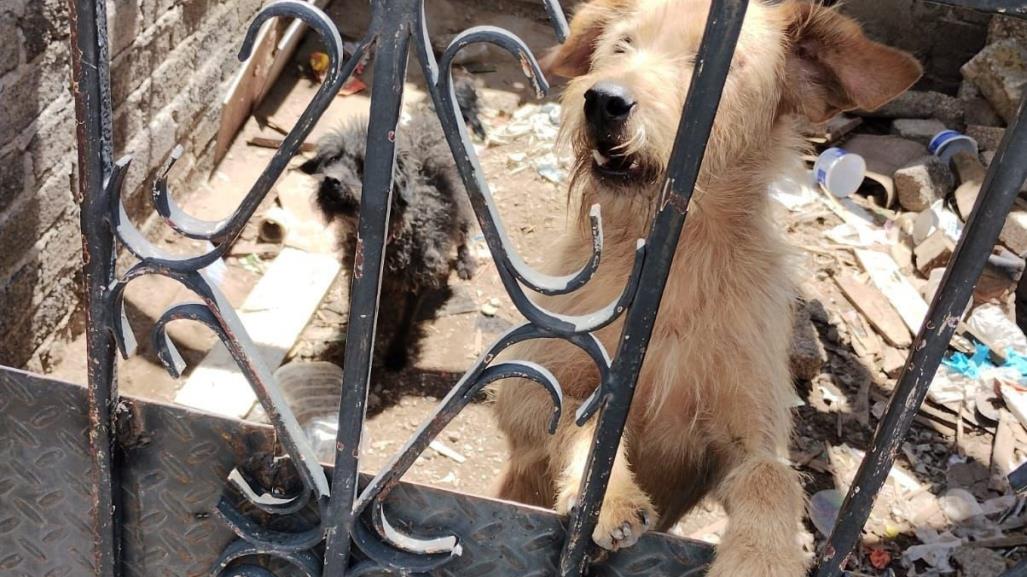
column 623, row 519
column 466, row 266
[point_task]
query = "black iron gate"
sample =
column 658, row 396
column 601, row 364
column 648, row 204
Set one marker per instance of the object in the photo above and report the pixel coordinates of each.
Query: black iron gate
column 147, row 494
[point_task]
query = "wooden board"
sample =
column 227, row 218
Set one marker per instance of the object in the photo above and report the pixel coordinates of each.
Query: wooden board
column 274, row 46
column 887, row 277
column 876, row 308
column 274, row 315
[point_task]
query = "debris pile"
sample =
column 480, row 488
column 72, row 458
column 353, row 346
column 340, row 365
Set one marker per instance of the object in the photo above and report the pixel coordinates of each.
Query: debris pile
column 878, row 256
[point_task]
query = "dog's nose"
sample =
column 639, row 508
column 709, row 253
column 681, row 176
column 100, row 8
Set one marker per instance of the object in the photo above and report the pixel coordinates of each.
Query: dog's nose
column 608, row 104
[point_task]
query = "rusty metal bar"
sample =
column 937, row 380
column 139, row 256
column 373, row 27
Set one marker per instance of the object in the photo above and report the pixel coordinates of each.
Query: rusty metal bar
column 91, row 87
column 392, row 25
column 1000, row 189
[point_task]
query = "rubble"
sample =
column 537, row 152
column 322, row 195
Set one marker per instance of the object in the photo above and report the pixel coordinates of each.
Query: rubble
column 1000, row 71
column 918, row 104
column 921, row 130
column 1014, row 233
column 987, row 137
column 979, row 562
column 885, row 154
column 807, row 354
column 1006, row 27
column 922, row 182
column 934, row 252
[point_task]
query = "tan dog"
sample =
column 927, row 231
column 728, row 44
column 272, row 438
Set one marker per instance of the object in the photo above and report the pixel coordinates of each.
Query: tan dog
column 711, row 411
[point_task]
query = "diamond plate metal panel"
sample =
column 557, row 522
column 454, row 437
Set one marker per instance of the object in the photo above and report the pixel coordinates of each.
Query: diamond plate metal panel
column 44, row 486
column 174, row 463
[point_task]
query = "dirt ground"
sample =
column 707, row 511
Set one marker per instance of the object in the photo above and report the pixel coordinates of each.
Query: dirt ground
column 840, row 405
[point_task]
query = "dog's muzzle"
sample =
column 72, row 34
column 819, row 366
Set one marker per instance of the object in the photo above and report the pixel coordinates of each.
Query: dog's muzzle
column 608, row 106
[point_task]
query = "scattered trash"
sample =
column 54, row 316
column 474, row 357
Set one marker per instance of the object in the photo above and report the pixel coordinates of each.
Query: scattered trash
column 319, row 63
column 794, row 192
column 989, row 324
column 823, row 509
column 490, row 308
column 936, row 217
column 839, row 172
column 541, row 122
column 947, row 143
column 548, row 167
column 879, row 558
column 959, row 505
column 936, row 550
column 447, row 451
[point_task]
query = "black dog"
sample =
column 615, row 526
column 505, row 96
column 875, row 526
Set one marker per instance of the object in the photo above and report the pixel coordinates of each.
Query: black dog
column 430, row 221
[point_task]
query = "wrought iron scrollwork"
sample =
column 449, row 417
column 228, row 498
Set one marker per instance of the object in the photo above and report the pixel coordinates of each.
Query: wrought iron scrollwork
column 217, row 314
column 346, row 515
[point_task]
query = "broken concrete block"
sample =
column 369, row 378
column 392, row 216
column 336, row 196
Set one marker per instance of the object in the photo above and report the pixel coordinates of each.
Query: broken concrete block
column 1007, row 27
column 980, row 112
column 884, row 154
column 1014, row 233
column 892, row 361
column 1000, row 71
column 923, row 181
column 1000, row 279
column 921, row 130
column 987, row 137
column 968, row 91
column 934, row 252
column 918, row 104
column 979, row 562
column 807, row 354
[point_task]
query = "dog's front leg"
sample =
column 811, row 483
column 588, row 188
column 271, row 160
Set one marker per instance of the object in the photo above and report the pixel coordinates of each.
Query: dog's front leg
column 764, row 501
column 627, row 511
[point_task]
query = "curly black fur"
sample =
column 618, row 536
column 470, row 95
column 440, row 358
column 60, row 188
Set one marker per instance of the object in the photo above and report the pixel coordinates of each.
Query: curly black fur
column 430, row 221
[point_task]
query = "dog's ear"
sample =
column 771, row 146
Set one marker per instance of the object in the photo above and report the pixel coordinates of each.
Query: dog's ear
column 832, row 67
column 574, row 56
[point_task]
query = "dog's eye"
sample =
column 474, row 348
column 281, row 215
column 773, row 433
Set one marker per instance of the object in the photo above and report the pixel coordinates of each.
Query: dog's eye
column 623, row 43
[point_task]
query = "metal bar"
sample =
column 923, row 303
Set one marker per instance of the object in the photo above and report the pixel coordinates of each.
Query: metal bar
column 91, row 88
column 392, row 23
column 723, row 26
column 1000, row 189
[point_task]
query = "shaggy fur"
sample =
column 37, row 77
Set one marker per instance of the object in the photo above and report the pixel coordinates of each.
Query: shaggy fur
column 711, row 412
column 429, row 224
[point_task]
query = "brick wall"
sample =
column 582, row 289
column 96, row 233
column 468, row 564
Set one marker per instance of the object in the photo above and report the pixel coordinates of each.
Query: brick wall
column 171, row 61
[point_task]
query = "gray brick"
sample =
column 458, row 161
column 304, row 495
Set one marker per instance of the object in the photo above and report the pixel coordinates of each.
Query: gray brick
column 21, row 340
column 12, row 178
column 9, row 46
column 153, row 9
column 194, row 13
column 44, row 24
column 124, row 24
column 26, row 92
column 18, row 292
column 1000, row 71
column 25, row 222
column 53, row 142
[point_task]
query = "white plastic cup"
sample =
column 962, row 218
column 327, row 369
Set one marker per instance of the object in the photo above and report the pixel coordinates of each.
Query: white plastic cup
column 947, row 143
column 839, row 172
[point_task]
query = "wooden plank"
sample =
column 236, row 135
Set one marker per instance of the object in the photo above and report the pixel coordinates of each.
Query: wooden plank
column 274, row 46
column 274, row 315
column 876, row 308
column 885, row 275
